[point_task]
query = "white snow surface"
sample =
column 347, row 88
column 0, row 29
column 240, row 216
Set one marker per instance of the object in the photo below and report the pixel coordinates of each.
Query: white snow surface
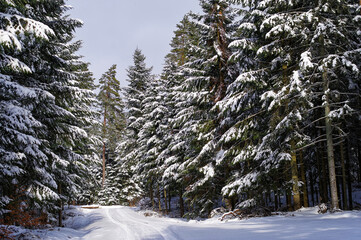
column 119, row 222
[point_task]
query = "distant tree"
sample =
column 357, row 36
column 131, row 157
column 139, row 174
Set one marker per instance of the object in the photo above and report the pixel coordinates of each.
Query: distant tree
column 139, row 78
column 112, row 110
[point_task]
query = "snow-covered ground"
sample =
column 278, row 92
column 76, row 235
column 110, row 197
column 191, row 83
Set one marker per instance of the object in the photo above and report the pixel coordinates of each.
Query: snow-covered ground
column 126, row 223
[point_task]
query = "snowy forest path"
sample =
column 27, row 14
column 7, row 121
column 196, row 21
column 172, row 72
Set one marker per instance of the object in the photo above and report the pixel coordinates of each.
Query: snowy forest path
column 119, row 222
column 124, row 223
column 135, row 227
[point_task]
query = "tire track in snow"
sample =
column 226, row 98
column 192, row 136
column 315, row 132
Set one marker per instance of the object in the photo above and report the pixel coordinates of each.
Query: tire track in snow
column 137, row 227
column 128, row 234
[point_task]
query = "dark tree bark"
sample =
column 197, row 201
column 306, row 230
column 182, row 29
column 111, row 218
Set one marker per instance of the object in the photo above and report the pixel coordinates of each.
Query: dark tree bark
column 159, row 198
column 181, row 202
column 304, row 180
column 312, row 183
column 343, row 169
column 349, row 176
column 165, row 200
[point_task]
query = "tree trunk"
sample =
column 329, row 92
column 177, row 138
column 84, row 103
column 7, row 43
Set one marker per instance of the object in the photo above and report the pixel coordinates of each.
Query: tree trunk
column 289, row 200
column 328, row 125
column 276, row 200
column 104, row 129
column 312, row 183
column 279, row 201
column 60, row 212
column 324, row 181
column 165, row 200
column 294, row 171
column 330, row 151
column 320, row 168
column 103, row 178
column 181, row 202
column 221, row 88
column 159, row 199
column 169, row 201
column 304, row 180
column 343, row 169
column 349, row 179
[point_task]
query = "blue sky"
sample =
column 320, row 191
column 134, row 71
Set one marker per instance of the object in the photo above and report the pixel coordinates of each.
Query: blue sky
column 113, row 29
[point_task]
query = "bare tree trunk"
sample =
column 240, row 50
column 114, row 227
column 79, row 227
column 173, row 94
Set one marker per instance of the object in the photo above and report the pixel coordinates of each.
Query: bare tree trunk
column 328, row 125
column 330, row 151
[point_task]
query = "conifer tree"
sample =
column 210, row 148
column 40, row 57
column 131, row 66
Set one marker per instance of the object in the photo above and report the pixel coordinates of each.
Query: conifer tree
column 40, row 92
column 93, row 143
column 172, row 77
column 111, row 106
column 207, row 73
column 139, row 78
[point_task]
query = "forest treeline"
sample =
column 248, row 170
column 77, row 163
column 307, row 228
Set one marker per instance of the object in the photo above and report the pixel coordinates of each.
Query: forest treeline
column 258, row 105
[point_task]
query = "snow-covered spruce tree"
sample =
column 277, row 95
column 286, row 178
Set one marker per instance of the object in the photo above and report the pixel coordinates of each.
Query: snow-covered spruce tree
column 176, row 138
column 89, row 115
column 241, row 123
column 139, row 78
column 21, row 144
column 38, row 88
column 206, row 75
column 152, row 137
